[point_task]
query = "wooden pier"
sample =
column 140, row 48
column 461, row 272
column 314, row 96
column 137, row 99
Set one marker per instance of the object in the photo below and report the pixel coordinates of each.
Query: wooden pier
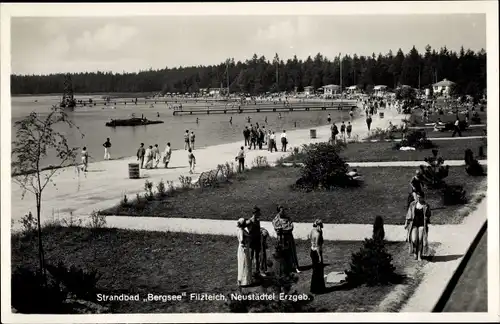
column 310, row 106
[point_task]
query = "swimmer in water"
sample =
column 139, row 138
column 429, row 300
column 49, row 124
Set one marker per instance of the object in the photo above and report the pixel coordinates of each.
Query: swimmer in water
column 197, row 120
column 158, row 114
column 231, row 120
column 249, row 119
column 279, row 115
column 265, row 120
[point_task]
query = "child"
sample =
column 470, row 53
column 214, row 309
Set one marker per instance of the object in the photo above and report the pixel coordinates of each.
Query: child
column 85, row 159
column 192, row 161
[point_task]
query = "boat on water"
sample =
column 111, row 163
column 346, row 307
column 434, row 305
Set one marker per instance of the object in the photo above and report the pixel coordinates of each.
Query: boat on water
column 132, row 122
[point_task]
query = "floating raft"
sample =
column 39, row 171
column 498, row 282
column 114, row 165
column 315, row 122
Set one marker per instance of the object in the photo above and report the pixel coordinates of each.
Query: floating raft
column 266, row 109
column 132, row 122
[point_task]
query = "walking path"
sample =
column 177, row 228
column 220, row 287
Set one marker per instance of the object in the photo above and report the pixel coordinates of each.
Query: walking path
column 398, row 163
column 107, row 181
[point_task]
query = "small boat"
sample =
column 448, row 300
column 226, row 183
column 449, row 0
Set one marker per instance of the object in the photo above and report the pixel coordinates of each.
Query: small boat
column 132, row 122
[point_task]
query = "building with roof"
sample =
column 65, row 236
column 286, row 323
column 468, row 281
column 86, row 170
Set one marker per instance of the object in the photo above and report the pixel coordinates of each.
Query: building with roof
column 331, row 89
column 380, row 90
column 309, row 90
column 443, row 87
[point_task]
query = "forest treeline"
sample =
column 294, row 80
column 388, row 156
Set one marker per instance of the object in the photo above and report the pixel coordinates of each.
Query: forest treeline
column 466, row 68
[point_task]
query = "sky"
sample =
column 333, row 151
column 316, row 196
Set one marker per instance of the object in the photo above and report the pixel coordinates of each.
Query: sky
column 43, row 45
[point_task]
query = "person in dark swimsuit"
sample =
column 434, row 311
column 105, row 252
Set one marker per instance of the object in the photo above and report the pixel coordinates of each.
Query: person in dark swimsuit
column 416, row 184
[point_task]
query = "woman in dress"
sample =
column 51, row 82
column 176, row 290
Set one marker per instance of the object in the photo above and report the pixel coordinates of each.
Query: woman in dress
column 318, row 274
column 283, row 226
column 244, row 257
column 417, row 224
column 167, row 154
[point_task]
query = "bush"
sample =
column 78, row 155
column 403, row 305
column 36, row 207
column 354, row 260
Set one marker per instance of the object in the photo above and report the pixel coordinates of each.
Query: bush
column 472, row 166
column 161, row 189
column 97, row 220
column 372, row 265
column 378, row 229
column 29, row 224
column 434, row 173
column 82, row 284
column 260, row 162
column 30, row 295
column 71, row 221
column 186, row 182
column 148, row 187
column 124, row 202
column 417, row 139
column 454, row 195
column 323, row 168
column 381, row 134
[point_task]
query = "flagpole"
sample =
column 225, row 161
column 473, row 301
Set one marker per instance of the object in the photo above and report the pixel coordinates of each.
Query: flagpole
column 341, row 93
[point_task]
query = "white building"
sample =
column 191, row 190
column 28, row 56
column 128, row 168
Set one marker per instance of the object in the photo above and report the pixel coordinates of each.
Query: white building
column 331, row 89
column 309, row 90
column 353, row 89
column 443, row 87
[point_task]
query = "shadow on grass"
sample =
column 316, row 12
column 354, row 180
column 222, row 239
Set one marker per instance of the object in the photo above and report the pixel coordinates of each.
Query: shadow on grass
column 309, row 267
column 444, row 258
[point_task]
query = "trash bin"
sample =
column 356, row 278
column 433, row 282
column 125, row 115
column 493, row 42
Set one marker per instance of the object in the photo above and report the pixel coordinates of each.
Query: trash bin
column 312, row 132
column 381, row 114
column 133, row 171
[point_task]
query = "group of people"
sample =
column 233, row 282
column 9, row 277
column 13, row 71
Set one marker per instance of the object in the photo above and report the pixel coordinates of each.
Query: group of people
column 85, row 155
column 150, row 157
column 257, row 136
column 253, row 242
column 344, row 129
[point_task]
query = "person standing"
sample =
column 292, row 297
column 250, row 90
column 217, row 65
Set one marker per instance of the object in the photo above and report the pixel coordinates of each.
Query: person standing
column 272, row 139
column 417, row 225
column 261, row 139
column 244, row 257
column 246, row 135
column 334, row 131
column 85, row 159
column 349, row 129
column 141, row 152
column 316, row 253
column 186, row 140
column 416, row 185
column 149, row 157
column 255, row 240
column 456, row 128
column 241, row 159
column 283, row 226
column 167, row 154
column 191, row 140
column 369, row 121
column 264, row 235
column 342, row 130
column 351, row 114
column 284, row 141
column 191, row 160
column 107, row 146
column 156, row 155
column 329, row 119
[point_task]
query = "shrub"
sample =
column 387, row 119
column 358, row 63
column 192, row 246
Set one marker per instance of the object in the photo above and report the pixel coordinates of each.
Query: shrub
column 29, row 224
column 372, row 265
column 71, row 221
column 454, row 195
column 260, row 162
column 124, row 202
column 434, row 173
column 170, row 186
column 96, row 220
column 140, row 204
column 186, row 182
column 381, row 134
column 82, row 284
column 161, row 189
column 280, row 162
column 148, row 187
column 323, row 168
column 417, row 139
column 30, row 295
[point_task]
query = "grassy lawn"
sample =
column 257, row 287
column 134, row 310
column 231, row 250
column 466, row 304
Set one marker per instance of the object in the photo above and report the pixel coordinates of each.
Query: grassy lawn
column 416, row 118
column 384, row 192
column 134, row 262
column 383, row 151
column 473, row 131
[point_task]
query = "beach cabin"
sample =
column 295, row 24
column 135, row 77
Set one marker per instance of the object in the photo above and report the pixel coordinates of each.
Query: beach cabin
column 380, row 90
column 331, row 89
column 443, row 87
column 353, row 89
column 309, row 90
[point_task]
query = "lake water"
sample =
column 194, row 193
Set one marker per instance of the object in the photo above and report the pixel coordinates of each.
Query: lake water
column 211, row 130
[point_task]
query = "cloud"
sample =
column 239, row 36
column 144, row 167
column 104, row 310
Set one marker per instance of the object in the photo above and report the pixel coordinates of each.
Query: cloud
column 279, row 31
column 58, row 47
column 108, row 38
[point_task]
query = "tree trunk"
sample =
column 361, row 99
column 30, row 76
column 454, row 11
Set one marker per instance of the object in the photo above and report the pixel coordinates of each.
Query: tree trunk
column 41, row 255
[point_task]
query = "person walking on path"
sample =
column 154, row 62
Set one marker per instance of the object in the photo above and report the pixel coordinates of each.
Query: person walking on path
column 342, row 130
column 261, row 137
column 243, row 256
column 186, row 140
column 351, row 114
column 456, row 128
column 156, row 155
column 417, row 225
column 334, row 131
column 253, row 138
column 85, row 159
column 167, row 154
column 284, row 141
column 316, row 253
column 246, row 135
column 241, row 159
column 191, row 140
column 191, row 160
column 107, row 146
column 253, row 225
column 369, row 121
column 149, row 157
column 349, row 129
column 141, row 152
column 269, row 141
